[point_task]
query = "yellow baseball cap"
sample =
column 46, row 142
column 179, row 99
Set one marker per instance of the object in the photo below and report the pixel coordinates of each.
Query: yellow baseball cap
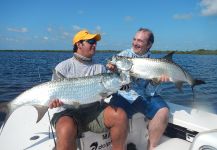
column 85, row 35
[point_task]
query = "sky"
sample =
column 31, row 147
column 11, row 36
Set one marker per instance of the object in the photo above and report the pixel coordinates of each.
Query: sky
column 51, row 24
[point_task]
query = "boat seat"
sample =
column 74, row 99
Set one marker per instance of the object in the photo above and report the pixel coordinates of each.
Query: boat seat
column 137, row 136
column 205, row 140
column 174, row 143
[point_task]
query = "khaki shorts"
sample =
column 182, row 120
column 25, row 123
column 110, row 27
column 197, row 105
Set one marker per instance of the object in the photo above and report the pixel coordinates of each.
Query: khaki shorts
column 88, row 117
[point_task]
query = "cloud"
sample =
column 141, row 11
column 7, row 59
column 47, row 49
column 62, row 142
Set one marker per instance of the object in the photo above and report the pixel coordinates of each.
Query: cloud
column 98, row 29
column 22, row 30
column 76, row 27
column 182, row 16
column 209, row 7
column 11, row 39
column 128, row 18
column 49, row 29
column 66, row 33
column 45, row 38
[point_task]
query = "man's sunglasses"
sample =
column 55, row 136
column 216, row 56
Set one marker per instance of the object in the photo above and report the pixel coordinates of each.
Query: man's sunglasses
column 91, row 41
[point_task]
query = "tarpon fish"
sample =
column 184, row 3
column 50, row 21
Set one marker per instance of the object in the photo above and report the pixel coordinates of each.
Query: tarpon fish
column 72, row 92
column 153, row 69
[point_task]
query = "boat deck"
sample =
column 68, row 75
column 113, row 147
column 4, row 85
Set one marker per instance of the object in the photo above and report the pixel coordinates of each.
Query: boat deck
column 21, row 132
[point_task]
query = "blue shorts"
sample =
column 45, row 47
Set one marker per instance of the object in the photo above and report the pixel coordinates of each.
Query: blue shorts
column 148, row 107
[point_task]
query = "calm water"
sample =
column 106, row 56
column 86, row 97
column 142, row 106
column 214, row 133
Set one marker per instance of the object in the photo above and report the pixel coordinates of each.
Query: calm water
column 22, row 70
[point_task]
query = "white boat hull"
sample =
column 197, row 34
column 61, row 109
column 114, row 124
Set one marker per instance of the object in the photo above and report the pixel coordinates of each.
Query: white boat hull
column 22, row 133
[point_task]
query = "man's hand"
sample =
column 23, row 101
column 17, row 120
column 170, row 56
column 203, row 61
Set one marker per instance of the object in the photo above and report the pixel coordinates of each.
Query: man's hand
column 157, row 81
column 164, row 78
column 125, row 87
column 55, row 103
column 111, row 67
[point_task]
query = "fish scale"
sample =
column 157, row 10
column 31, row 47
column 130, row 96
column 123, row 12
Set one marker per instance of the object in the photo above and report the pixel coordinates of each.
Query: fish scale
column 72, row 92
column 154, row 68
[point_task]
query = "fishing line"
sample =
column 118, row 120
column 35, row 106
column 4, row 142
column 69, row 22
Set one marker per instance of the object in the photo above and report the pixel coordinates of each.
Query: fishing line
column 48, row 115
column 194, row 104
column 39, row 75
column 51, row 128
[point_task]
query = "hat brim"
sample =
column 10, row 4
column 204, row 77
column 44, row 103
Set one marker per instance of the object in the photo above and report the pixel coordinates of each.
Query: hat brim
column 96, row 37
column 84, row 35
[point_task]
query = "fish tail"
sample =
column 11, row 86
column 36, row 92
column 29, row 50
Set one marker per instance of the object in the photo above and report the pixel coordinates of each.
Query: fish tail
column 198, row 82
column 4, row 106
column 4, row 110
column 4, row 114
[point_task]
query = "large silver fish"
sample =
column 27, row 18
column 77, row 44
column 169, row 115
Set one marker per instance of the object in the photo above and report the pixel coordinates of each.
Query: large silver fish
column 153, row 69
column 72, row 92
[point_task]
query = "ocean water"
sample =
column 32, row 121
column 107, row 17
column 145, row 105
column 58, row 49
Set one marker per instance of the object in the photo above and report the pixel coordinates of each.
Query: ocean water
column 20, row 71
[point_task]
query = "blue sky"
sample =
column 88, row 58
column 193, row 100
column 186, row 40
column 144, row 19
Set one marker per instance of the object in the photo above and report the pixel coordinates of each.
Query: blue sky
column 51, row 24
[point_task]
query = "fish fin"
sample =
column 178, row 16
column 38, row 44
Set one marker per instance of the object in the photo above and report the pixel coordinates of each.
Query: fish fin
column 155, row 81
column 179, row 86
column 57, row 75
column 75, row 104
column 169, row 56
column 125, row 87
column 41, row 111
column 135, row 75
column 104, row 95
column 125, row 76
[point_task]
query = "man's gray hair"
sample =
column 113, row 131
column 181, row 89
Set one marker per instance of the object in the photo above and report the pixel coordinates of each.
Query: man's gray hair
column 151, row 38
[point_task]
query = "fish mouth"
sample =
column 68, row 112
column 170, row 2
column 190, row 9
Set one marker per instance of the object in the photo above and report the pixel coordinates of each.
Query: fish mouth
column 122, row 63
column 112, row 60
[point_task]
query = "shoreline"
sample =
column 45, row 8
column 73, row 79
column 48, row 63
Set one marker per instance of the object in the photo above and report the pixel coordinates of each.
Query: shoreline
column 199, row 52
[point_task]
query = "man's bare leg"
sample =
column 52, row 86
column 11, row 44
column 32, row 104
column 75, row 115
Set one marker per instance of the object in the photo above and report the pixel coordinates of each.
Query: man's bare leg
column 66, row 130
column 116, row 120
column 157, row 126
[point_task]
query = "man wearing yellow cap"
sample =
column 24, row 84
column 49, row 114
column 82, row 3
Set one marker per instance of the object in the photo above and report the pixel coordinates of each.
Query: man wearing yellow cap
column 69, row 123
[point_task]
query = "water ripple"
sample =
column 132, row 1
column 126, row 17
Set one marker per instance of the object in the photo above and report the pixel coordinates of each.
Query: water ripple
column 22, row 70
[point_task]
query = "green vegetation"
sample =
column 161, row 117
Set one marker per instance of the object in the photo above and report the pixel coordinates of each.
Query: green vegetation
column 198, row 52
column 35, row 50
column 70, row 51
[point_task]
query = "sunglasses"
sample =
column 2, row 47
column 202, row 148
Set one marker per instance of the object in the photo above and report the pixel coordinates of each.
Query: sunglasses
column 91, row 41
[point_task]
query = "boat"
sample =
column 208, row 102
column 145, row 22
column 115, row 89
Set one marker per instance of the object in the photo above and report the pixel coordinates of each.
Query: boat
column 188, row 128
